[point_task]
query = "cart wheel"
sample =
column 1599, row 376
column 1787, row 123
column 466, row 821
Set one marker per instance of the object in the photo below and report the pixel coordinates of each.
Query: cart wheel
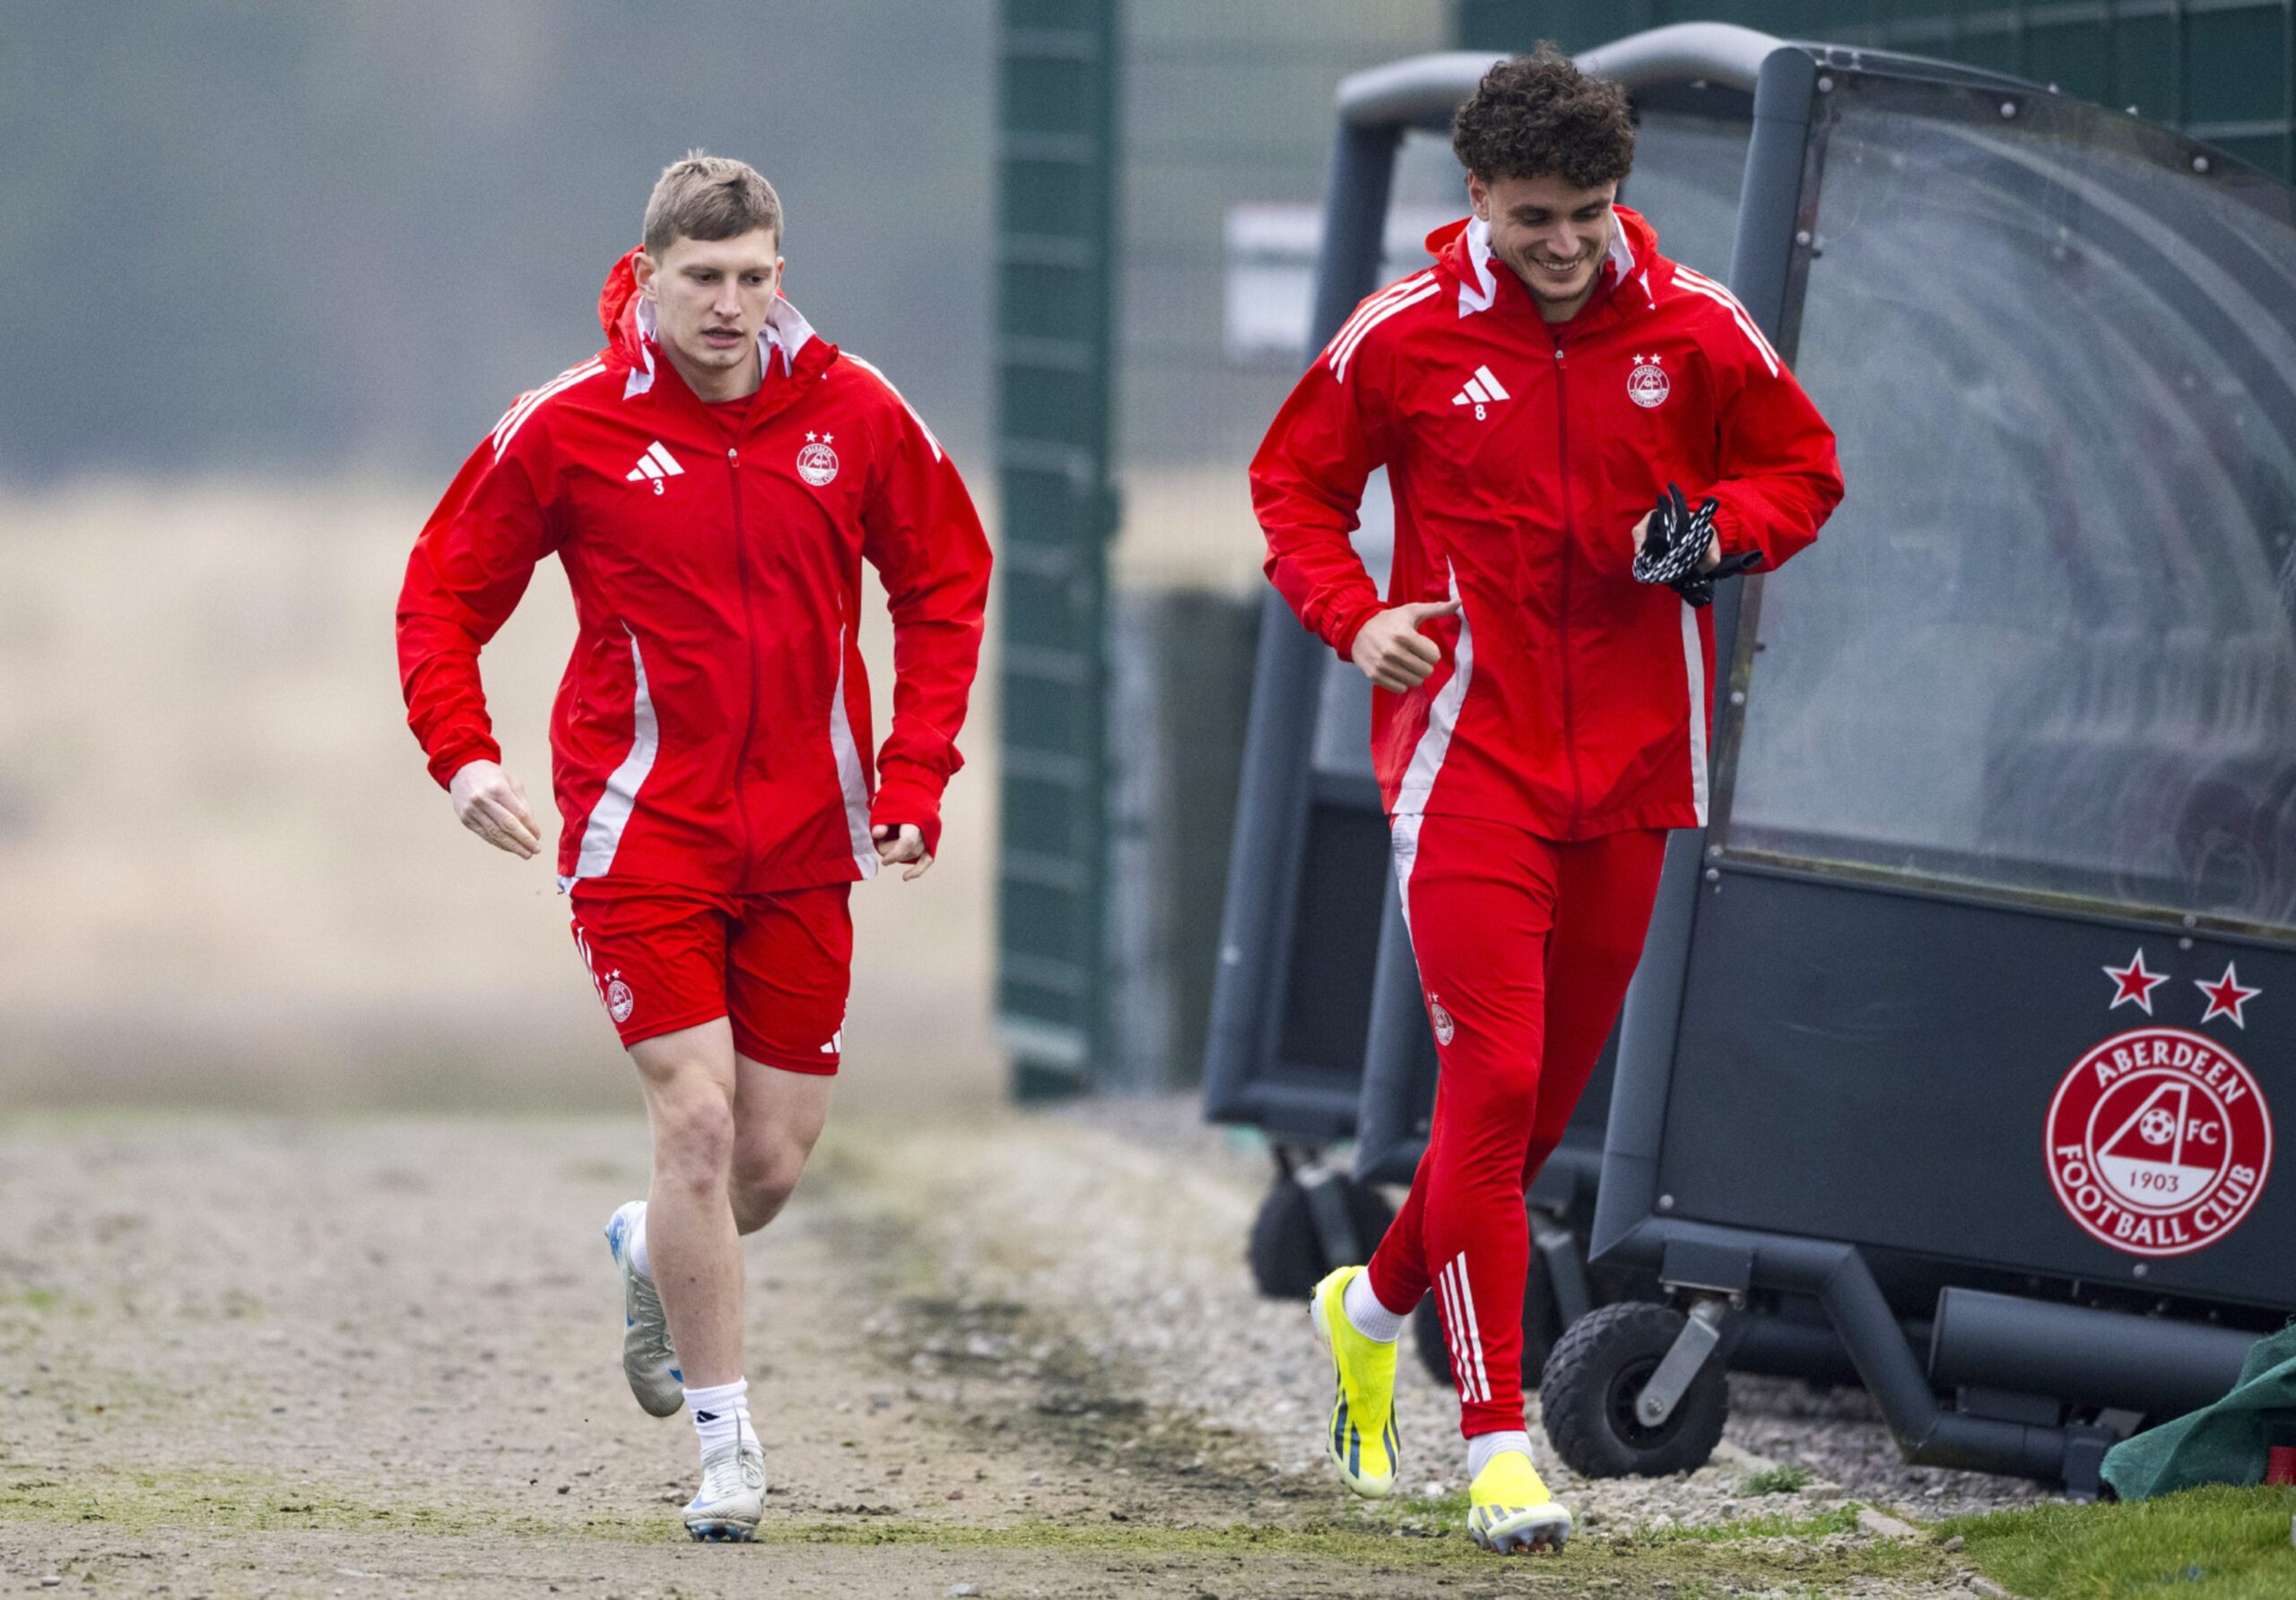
column 1595, row 1376
column 1287, row 1255
column 1542, row 1327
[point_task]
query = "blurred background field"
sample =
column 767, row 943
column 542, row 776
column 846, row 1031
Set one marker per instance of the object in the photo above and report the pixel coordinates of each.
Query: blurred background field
column 230, row 882
column 279, row 268
column 274, row 267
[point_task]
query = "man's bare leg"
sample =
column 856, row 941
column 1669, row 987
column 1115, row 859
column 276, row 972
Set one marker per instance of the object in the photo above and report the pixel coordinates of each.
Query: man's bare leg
column 777, row 1117
column 689, row 1078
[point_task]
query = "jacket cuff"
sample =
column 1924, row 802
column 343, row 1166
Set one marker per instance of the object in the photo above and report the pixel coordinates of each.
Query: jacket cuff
column 904, row 799
column 1730, row 529
column 1351, row 623
column 453, row 757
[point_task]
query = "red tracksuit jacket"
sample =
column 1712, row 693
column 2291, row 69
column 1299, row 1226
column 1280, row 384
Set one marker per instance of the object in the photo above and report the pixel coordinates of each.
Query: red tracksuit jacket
column 1571, row 700
column 712, row 729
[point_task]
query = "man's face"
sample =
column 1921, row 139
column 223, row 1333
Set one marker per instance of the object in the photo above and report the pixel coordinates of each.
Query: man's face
column 711, row 297
column 1554, row 237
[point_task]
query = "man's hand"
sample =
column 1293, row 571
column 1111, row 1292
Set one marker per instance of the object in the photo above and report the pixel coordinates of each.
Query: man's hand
column 492, row 804
column 1392, row 651
column 1706, row 563
column 905, row 843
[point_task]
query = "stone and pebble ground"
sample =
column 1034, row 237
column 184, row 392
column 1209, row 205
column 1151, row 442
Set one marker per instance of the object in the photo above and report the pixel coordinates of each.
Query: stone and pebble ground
column 1166, row 1190
column 263, row 1358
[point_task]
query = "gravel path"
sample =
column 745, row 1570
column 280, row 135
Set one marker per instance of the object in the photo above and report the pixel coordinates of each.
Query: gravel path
column 1260, row 1375
column 1003, row 1357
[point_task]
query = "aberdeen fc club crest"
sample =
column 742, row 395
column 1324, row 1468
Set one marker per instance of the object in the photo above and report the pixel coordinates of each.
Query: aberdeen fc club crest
column 1646, row 386
column 2159, row 1140
column 1444, row 1027
column 620, row 1001
column 817, row 463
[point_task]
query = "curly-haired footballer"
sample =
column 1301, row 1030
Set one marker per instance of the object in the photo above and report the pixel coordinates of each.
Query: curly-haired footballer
column 1542, row 397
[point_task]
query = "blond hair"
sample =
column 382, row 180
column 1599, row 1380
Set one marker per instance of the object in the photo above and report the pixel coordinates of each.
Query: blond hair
column 710, row 196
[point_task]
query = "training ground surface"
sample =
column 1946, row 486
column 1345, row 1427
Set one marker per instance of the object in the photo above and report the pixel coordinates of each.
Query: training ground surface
column 363, row 1357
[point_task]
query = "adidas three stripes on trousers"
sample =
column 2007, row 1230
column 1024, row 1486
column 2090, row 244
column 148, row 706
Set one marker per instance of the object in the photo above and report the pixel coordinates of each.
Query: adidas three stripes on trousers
column 1525, row 948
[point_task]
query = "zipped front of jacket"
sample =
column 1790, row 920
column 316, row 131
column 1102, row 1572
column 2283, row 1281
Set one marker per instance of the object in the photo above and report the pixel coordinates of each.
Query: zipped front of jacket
column 1563, row 604
column 749, row 646
column 1597, row 307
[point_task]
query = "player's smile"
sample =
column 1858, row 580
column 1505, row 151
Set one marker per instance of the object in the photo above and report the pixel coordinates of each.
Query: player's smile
column 1563, row 274
column 1552, row 234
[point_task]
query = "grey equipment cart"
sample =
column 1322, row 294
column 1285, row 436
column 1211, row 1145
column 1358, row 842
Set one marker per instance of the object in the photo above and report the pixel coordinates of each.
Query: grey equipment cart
column 1968, row 1017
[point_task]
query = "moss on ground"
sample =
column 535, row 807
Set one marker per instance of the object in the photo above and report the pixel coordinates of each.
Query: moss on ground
column 226, row 1502
column 1776, row 1479
column 2214, row 1543
column 1756, row 1554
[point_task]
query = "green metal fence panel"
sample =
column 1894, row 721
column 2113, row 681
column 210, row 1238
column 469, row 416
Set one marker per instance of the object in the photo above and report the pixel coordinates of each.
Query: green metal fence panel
column 1057, row 165
column 2222, row 70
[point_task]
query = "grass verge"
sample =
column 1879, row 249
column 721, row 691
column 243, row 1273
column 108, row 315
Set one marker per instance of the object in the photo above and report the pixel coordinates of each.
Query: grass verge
column 2214, row 1543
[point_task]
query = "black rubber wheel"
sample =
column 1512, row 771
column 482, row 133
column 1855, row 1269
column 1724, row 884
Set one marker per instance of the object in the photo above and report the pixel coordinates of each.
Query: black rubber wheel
column 1593, row 1379
column 1286, row 1256
column 1542, row 1327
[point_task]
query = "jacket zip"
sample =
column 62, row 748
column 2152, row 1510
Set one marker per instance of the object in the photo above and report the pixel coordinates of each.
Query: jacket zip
column 749, row 631
column 1570, row 538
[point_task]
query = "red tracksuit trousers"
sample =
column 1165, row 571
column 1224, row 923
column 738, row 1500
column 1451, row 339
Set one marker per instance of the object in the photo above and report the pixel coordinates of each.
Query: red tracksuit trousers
column 1525, row 948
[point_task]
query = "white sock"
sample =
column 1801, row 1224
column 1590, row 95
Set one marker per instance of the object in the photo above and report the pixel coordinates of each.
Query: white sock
column 1483, row 1447
column 640, row 1261
column 1366, row 1315
column 721, row 1413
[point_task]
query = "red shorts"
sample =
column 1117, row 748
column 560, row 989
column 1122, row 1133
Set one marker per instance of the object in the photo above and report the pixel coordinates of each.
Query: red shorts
column 777, row 966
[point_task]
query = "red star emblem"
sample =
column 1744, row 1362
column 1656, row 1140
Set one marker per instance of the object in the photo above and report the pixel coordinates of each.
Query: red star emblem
column 2226, row 996
column 2133, row 982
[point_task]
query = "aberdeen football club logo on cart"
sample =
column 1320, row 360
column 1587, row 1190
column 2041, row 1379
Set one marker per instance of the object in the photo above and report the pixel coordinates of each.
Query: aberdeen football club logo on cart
column 2159, row 1142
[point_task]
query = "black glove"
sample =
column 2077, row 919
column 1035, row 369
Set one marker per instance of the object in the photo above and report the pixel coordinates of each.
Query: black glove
column 1675, row 544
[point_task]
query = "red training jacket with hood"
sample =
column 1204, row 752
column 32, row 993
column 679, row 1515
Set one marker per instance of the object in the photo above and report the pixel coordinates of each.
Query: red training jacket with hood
column 712, row 730
column 1570, row 700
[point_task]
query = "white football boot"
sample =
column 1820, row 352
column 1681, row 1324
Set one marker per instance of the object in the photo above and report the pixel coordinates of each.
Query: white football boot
column 647, row 1358
column 733, row 1494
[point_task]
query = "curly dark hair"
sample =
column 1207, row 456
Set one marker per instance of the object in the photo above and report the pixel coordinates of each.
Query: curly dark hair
column 1537, row 115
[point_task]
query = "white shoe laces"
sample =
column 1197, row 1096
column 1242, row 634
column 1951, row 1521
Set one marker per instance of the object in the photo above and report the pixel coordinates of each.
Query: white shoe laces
column 733, row 1471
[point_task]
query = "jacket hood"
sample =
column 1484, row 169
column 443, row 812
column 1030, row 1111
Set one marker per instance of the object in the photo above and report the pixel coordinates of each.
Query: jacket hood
column 627, row 319
column 1463, row 249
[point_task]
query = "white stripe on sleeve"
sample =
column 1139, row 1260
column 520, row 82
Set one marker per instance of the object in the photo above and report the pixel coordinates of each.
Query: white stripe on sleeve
column 515, row 417
column 1346, row 353
column 1722, row 296
column 1372, row 303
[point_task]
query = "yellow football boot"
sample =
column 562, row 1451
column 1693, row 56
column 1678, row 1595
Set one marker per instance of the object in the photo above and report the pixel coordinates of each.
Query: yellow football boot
column 1362, row 1440
column 1509, row 1511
